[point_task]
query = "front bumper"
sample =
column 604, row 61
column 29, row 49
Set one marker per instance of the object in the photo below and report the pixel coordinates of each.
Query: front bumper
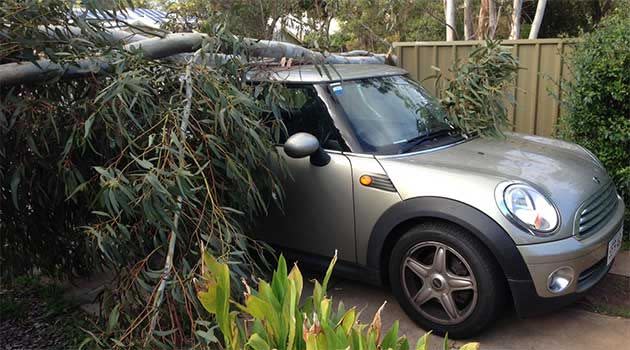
column 587, row 257
column 528, row 303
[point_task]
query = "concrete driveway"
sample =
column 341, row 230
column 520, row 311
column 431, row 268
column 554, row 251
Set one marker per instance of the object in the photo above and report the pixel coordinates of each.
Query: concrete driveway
column 570, row 328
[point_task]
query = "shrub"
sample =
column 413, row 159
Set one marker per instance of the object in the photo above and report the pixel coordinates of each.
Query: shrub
column 597, row 108
column 474, row 93
column 272, row 317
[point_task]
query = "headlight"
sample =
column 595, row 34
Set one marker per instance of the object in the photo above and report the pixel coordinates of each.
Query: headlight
column 528, row 208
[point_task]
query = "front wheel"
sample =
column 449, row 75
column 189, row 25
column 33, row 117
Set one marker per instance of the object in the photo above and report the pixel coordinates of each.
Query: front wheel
column 446, row 280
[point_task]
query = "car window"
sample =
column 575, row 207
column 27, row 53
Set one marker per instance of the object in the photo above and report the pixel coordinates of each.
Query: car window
column 309, row 114
column 387, row 113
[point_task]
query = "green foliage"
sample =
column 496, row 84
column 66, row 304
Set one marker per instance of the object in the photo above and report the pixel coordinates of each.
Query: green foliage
column 372, row 24
column 363, row 24
column 241, row 17
column 597, row 112
column 572, row 17
column 474, row 92
column 272, row 317
column 39, row 225
column 147, row 165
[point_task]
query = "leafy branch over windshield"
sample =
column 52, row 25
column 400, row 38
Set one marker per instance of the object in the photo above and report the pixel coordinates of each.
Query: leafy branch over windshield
column 475, row 92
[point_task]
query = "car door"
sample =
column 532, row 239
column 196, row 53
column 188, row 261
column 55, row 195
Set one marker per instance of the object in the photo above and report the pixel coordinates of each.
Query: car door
column 317, row 216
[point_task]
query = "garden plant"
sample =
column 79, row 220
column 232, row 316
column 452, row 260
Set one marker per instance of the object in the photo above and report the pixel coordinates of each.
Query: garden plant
column 273, row 317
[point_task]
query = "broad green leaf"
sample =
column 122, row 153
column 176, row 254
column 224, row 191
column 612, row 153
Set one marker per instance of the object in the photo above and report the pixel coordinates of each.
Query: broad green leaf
column 329, row 273
column 423, row 342
column 257, row 343
column 112, row 321
column 348, row 320
column 390, row 339
column 470, row 346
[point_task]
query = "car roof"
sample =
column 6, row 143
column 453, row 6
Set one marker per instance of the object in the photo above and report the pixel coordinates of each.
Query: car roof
column 311, row 74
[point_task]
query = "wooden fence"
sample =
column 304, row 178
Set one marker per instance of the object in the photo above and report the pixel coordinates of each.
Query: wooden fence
column 536, row 110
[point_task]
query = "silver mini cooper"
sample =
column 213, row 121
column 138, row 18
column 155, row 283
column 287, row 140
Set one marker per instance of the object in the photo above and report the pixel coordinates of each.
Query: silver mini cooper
column 458, row 227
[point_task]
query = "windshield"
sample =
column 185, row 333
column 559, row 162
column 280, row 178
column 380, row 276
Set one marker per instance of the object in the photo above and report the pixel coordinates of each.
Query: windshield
column 388, row 114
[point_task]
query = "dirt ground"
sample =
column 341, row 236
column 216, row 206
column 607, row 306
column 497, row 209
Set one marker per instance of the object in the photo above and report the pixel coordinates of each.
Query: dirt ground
column 35, row 316
column 611, row 297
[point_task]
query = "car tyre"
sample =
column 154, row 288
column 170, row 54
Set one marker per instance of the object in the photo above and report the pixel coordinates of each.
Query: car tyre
column 458, row 295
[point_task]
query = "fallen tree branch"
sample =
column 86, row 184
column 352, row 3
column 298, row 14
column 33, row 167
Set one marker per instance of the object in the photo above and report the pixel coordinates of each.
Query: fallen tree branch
column 41, row 70
column 169, row 46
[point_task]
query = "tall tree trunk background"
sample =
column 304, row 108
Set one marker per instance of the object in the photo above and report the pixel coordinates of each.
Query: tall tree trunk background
column 449, row 14
column 516, row 19
column 482, row 21
column 493, row 18
column 540, row 12
column 469, row 33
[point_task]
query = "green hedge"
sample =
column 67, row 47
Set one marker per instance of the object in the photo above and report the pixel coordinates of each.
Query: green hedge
column 597, row 103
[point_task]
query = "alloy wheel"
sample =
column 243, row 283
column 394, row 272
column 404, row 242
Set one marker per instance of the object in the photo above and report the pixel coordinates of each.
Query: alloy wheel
column 439, row 282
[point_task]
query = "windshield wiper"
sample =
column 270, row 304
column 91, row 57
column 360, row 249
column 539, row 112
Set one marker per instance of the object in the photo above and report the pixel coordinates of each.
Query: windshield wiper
column 420, row 139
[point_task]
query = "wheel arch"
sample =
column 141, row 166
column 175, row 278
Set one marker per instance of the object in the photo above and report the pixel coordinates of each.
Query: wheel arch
column 400, row 217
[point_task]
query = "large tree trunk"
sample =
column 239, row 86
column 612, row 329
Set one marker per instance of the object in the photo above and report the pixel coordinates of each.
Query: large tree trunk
column 468, row 19
column 516, row 19
column 540, row 12
column 482, row 22
column 449, row 14
column 493, row 19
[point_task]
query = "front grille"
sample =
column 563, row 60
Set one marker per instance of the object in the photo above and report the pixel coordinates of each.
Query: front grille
column 597, row 210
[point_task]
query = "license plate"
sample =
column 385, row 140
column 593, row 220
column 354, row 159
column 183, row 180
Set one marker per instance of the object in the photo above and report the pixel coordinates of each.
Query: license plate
column 614, row 245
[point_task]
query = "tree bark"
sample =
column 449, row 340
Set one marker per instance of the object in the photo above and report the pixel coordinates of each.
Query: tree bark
column 493, row 19
column 482, row 22
column 468, row 20
column 516, row 19
column 540, row 12
column 449, row 14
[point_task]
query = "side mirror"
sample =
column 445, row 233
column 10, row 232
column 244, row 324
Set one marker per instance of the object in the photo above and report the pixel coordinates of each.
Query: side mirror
column 302, row 145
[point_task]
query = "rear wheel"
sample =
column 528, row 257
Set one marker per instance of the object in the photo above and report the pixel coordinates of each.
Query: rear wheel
column 446, row 280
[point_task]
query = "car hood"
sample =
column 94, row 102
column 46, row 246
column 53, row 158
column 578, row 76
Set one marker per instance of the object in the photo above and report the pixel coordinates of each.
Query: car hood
column 471, row 170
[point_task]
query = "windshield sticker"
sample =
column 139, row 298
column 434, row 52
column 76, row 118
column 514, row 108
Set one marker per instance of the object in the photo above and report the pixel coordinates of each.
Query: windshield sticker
column 337, row 90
